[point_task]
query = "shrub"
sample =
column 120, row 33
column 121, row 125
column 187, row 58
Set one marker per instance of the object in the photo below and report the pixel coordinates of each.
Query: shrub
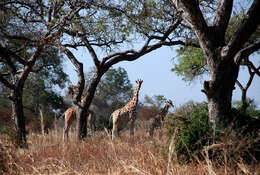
column 192, row 133
column 193, row 130
column 246, row 132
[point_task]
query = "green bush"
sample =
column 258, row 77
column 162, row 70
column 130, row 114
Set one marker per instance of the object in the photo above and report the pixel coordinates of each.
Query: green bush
column 193, row 130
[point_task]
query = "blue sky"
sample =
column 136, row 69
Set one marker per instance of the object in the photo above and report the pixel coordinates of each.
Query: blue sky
column 155, row 70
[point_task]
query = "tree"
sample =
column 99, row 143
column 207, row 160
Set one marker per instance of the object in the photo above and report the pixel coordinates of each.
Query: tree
column 192, row 64
column 223, row 55
column 109, row 25
column 27, row 28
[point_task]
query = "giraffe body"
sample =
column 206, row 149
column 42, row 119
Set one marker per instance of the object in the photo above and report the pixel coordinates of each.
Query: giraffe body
column 158, row 120
column 126, row 113
column 70, row 117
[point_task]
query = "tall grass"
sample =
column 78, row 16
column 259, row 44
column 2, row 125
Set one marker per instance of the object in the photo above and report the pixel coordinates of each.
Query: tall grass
column 47, row 154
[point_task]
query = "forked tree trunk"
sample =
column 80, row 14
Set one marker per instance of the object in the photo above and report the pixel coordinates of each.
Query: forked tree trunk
column 19, row 119
column 219, row 92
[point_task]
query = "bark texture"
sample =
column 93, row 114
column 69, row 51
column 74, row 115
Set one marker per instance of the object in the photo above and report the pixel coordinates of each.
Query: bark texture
column 19, row 119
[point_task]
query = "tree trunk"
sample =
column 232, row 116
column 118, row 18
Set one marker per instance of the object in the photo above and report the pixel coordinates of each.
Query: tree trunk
column 82, row 123
column 82, row 111
column 19, row 119
column 219, row 90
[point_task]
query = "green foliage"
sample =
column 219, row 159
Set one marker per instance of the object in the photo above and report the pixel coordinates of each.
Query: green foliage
column 39, row 86
column 115, row 88
column 191, row 63
column 194, row 131
column 155, row 101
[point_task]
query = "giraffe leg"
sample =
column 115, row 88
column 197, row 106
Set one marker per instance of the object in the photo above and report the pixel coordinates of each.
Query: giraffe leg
column 132, row 122
column 114, row 130
column 160, row 131
column 93, row 128
column 65, row 134
column 66, row 130
column 151, row 130
column 132, row 117
column 160, row 134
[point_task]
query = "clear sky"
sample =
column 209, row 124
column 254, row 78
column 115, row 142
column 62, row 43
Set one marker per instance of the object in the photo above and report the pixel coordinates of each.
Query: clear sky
column 155, row 71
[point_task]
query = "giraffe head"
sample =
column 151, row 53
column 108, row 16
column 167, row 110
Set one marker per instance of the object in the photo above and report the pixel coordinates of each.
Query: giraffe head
column 169, row 102
column 139, row 82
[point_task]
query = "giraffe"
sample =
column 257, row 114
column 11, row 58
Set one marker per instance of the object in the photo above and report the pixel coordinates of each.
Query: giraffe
column 158, row 120
column 70, row 116
column 126, row 113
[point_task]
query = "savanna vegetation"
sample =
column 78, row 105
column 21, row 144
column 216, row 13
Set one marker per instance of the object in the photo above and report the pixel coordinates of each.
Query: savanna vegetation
column 214, row 38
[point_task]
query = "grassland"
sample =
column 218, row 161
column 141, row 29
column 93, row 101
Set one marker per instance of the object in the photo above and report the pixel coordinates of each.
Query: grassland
column 47, row 154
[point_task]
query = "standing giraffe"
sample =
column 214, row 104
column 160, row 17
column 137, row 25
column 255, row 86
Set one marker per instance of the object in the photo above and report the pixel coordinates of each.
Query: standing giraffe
column 158, row 120
column 126, row 113
column 70, row 115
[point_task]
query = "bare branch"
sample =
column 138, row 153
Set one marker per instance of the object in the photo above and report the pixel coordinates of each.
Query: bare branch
column 239, row 85
column 92, row 52
column 252, row 74
column 247, row 51
column 251, row 65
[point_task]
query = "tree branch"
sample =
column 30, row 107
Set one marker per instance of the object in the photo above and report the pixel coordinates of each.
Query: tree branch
column 247, row 51
column 8, row 53
column 222, row 17
column 252, row 74
column 92, row 52
column 192, row 14
column 79, row 69
column 251, row 65
column 239, row 85
column 5, row 82
column 245, row 30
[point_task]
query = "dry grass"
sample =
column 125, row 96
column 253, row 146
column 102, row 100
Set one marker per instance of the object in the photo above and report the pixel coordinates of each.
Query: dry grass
column 98, row 155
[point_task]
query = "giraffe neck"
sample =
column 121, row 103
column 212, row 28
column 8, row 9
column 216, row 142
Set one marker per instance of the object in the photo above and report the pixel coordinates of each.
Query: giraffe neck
column 164, row 111
column 134, row 99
